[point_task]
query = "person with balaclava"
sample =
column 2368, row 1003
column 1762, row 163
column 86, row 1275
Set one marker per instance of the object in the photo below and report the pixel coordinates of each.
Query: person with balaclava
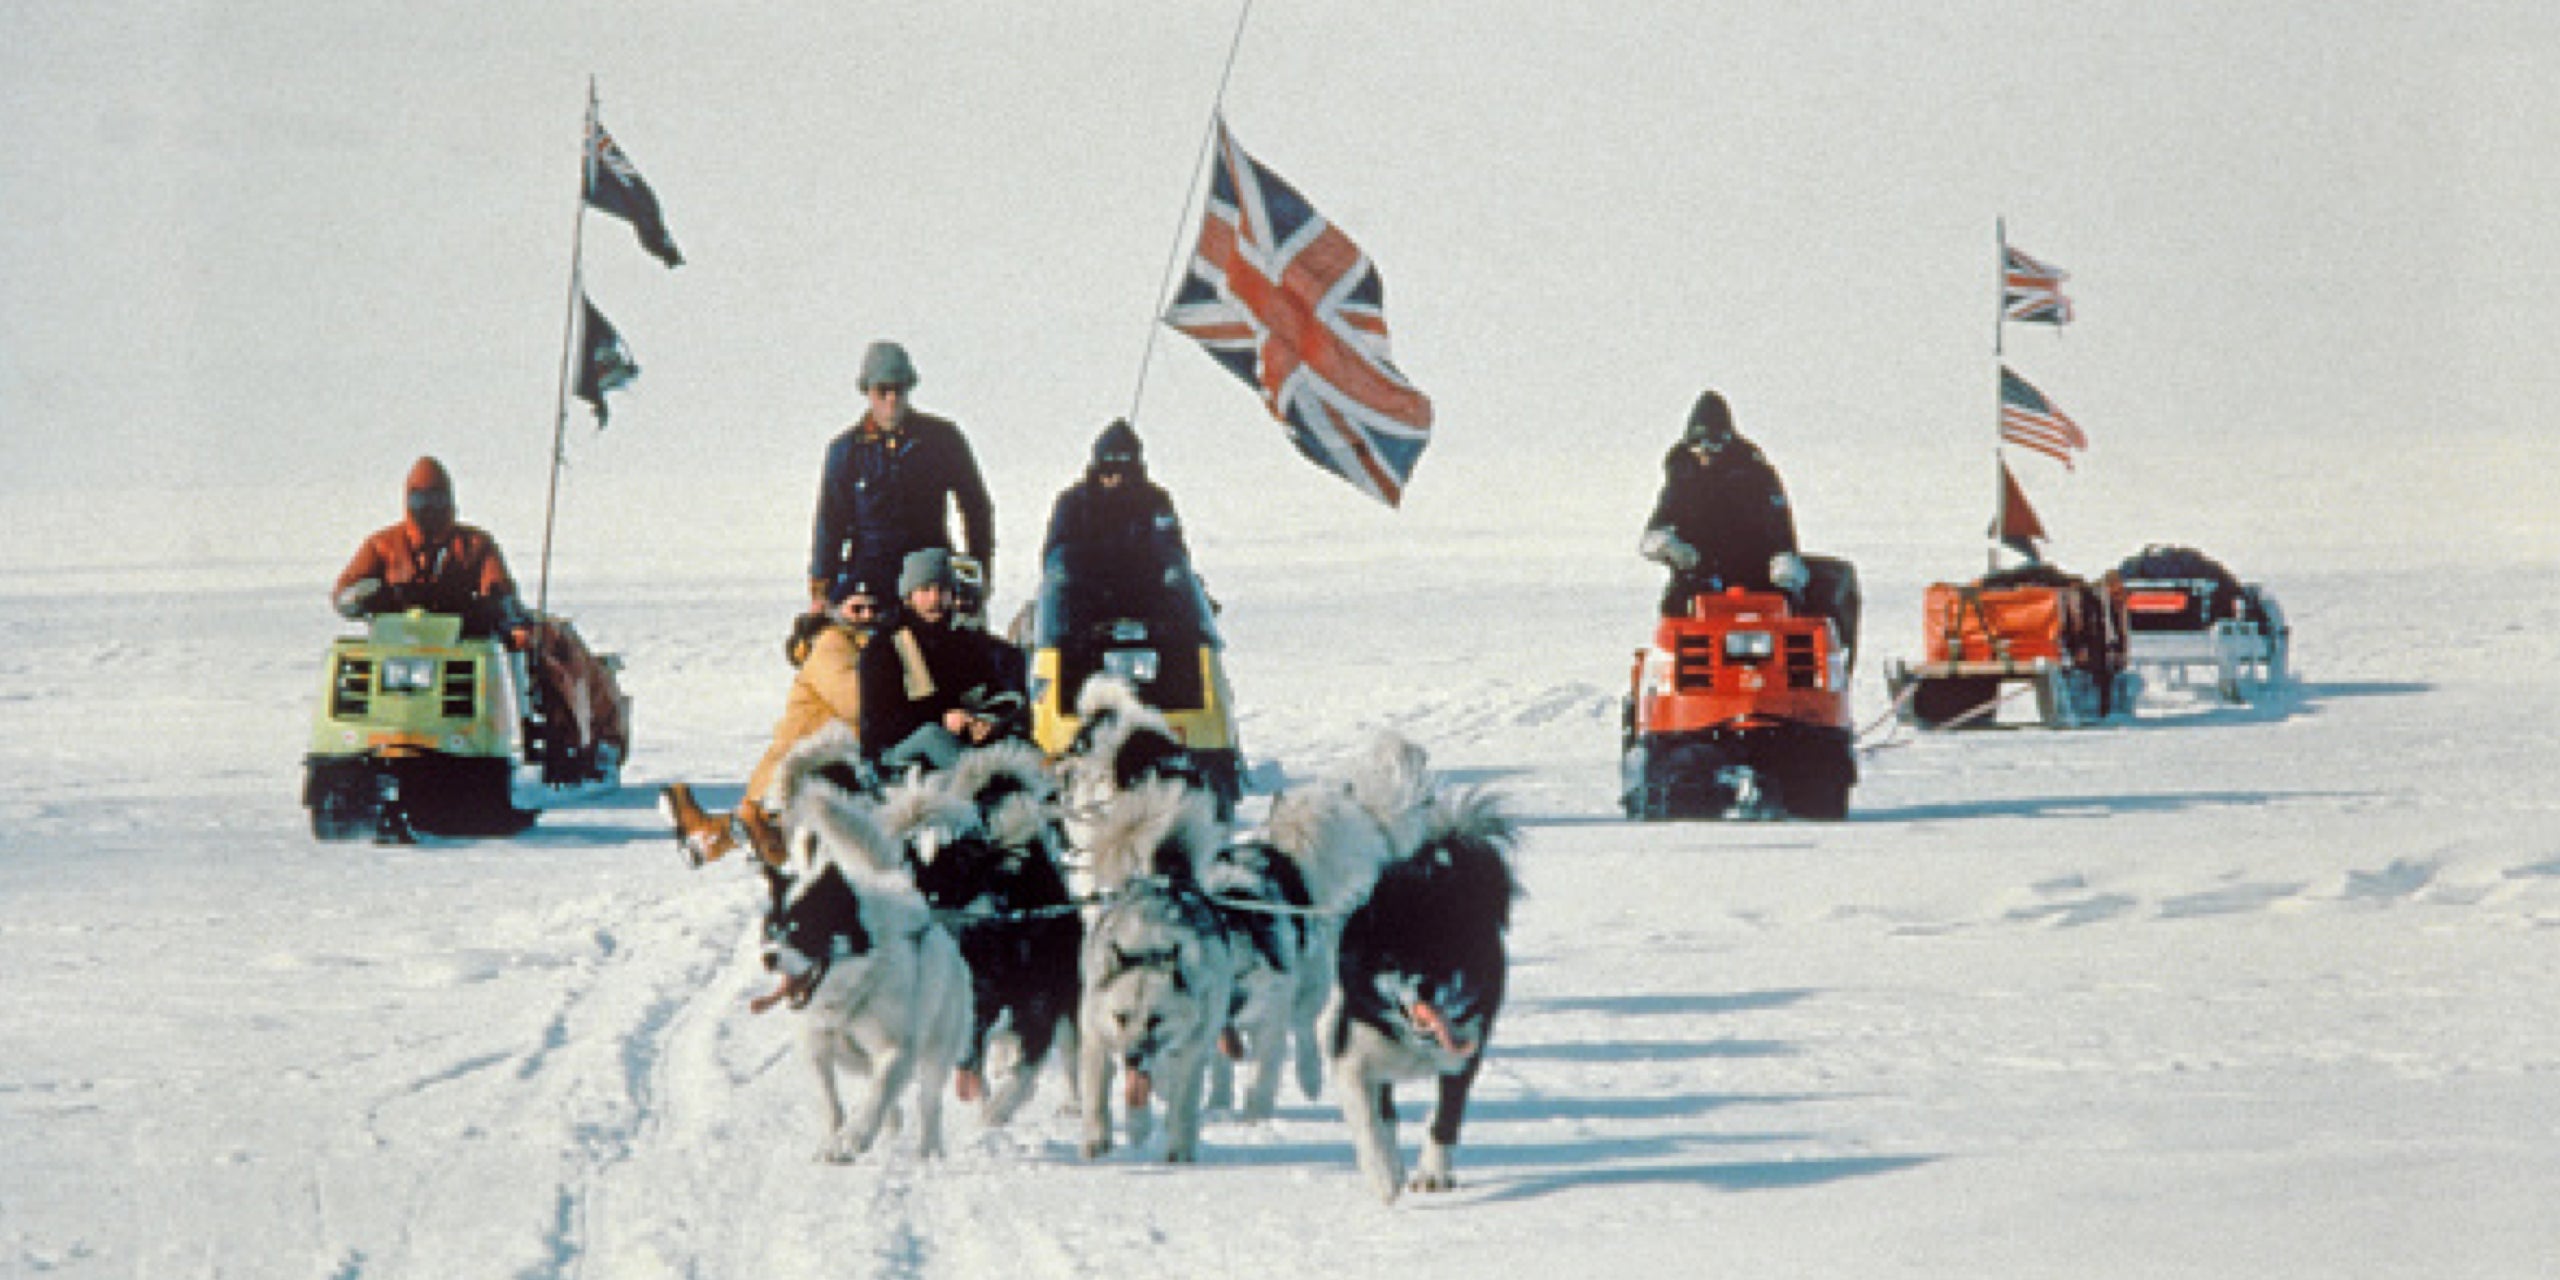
column 889, row 484
column 1722, row 519
column 431, row 561
column 1114, row 515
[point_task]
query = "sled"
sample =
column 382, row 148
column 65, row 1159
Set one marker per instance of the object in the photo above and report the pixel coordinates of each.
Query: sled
column 2192, row 624
column 422, row 728
column 1739, row 709
column 2057, row 635
column 1150, row 624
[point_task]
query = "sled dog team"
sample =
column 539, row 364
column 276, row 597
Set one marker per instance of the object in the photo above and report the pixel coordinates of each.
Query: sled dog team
column 953, row 929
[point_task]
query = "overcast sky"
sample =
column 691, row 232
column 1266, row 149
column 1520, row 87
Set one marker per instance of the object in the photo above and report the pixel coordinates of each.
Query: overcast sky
column 293, row 244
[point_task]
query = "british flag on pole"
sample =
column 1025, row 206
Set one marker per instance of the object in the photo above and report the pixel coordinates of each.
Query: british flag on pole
column 2030, row 291
column 1285, row 301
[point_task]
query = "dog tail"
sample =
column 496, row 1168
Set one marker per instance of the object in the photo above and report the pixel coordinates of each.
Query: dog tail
column 828, row 759
column 1159, row 829
column 1392, row 783
column 913, row 804
column 1011, row 788
column 845, row 830
column 1106, row 698
column 1337, row 846
column 1467, row 846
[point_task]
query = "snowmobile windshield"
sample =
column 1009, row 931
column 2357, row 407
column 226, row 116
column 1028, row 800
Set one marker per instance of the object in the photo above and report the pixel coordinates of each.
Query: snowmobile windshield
column 1090, row 599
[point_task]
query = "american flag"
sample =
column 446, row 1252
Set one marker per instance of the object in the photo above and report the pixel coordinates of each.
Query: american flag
column 2030, row 291
column 1286, row 302
column 2030, row 421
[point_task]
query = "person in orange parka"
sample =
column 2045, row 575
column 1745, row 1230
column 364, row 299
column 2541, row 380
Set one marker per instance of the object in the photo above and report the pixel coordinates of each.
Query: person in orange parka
column 431, row 561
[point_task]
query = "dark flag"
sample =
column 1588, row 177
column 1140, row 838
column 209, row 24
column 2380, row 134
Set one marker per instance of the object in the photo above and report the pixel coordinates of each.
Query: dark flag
column 604, row 364
column 614, row 187
column 2016, row 527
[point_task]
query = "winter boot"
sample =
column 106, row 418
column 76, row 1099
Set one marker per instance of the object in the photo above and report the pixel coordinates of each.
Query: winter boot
column 762, row 835
column 703, row 837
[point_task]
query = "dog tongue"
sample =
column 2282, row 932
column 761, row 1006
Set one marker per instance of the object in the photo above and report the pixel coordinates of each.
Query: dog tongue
column 1135, row 1090
column 968, row 1084
column 1231, row 1044
column 1429, row 1019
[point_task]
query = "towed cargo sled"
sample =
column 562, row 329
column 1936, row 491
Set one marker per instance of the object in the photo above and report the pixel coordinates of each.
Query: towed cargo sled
column 2056, row 634
column 2193, row 623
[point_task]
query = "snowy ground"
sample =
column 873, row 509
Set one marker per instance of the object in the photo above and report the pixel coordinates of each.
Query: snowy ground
column 2218, row 992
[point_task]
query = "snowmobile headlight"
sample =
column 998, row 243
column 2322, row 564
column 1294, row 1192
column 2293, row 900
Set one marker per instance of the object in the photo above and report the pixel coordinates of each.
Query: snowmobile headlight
column 1749, row 646
column 1137, row 666
column 408, row 675
column 1128, row 631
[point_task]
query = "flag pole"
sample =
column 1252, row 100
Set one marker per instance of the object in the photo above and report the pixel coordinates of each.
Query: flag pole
column 1999, row 321
column 568, row 351
column 1182, row 227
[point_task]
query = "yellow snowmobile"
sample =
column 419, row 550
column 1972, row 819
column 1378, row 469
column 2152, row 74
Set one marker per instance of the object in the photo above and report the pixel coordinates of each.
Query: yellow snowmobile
column 422, row 728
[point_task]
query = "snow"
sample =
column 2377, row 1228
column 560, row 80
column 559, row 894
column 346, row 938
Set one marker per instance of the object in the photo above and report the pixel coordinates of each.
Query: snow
column 2217, row 991
column 2267, row 991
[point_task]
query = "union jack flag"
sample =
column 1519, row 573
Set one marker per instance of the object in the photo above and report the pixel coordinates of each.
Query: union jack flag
column 2030, row 291
column 1286, row 302
column 2030, row 421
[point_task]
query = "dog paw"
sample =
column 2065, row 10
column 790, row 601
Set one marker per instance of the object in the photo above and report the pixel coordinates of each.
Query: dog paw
column 1429, row 1181
column 1097, row 1148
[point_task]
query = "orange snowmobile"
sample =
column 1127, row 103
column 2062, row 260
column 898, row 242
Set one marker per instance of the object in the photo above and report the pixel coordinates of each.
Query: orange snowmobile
column 1740, row 709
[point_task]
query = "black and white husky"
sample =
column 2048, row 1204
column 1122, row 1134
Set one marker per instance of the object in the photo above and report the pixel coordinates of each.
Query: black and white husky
column 882, row 990
column 1421, row 974
column 1121, row 744
column 983, row 841
column 1282, row 891
column 1159, row 970
column 827, row 800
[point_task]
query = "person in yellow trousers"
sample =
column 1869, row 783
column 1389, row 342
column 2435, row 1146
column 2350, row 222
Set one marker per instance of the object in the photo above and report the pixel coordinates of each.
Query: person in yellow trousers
column 827, row 649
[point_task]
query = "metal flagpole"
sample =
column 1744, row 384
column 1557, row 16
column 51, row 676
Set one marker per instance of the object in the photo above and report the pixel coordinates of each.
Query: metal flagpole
column 568, row 352
column 1999, row 321
column 1173, row 260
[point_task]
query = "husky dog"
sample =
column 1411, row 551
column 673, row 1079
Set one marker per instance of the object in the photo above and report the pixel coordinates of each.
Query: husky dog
column 826, row 798
column 883, row 989
column 1159, row 971
column 1122, row 743
column 1422, row 969
column 984, row 847
column 1281, row 892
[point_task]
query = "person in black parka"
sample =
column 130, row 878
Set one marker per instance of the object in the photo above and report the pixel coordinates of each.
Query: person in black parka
column 930, row 689
column 1723, row 520
column 1114, row 514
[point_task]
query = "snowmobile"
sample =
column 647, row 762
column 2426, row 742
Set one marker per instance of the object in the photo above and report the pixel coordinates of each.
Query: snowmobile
column 2187, row 613
column 1149, row 623
column 422, row 727
column 2061, row 635
column 1740, row 709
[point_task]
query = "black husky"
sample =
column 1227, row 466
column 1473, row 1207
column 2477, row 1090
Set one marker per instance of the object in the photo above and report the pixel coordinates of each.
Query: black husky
column 1421, row 970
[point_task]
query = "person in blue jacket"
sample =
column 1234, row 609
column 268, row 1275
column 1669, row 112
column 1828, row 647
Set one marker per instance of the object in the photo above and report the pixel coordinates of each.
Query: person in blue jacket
column 890, row 483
